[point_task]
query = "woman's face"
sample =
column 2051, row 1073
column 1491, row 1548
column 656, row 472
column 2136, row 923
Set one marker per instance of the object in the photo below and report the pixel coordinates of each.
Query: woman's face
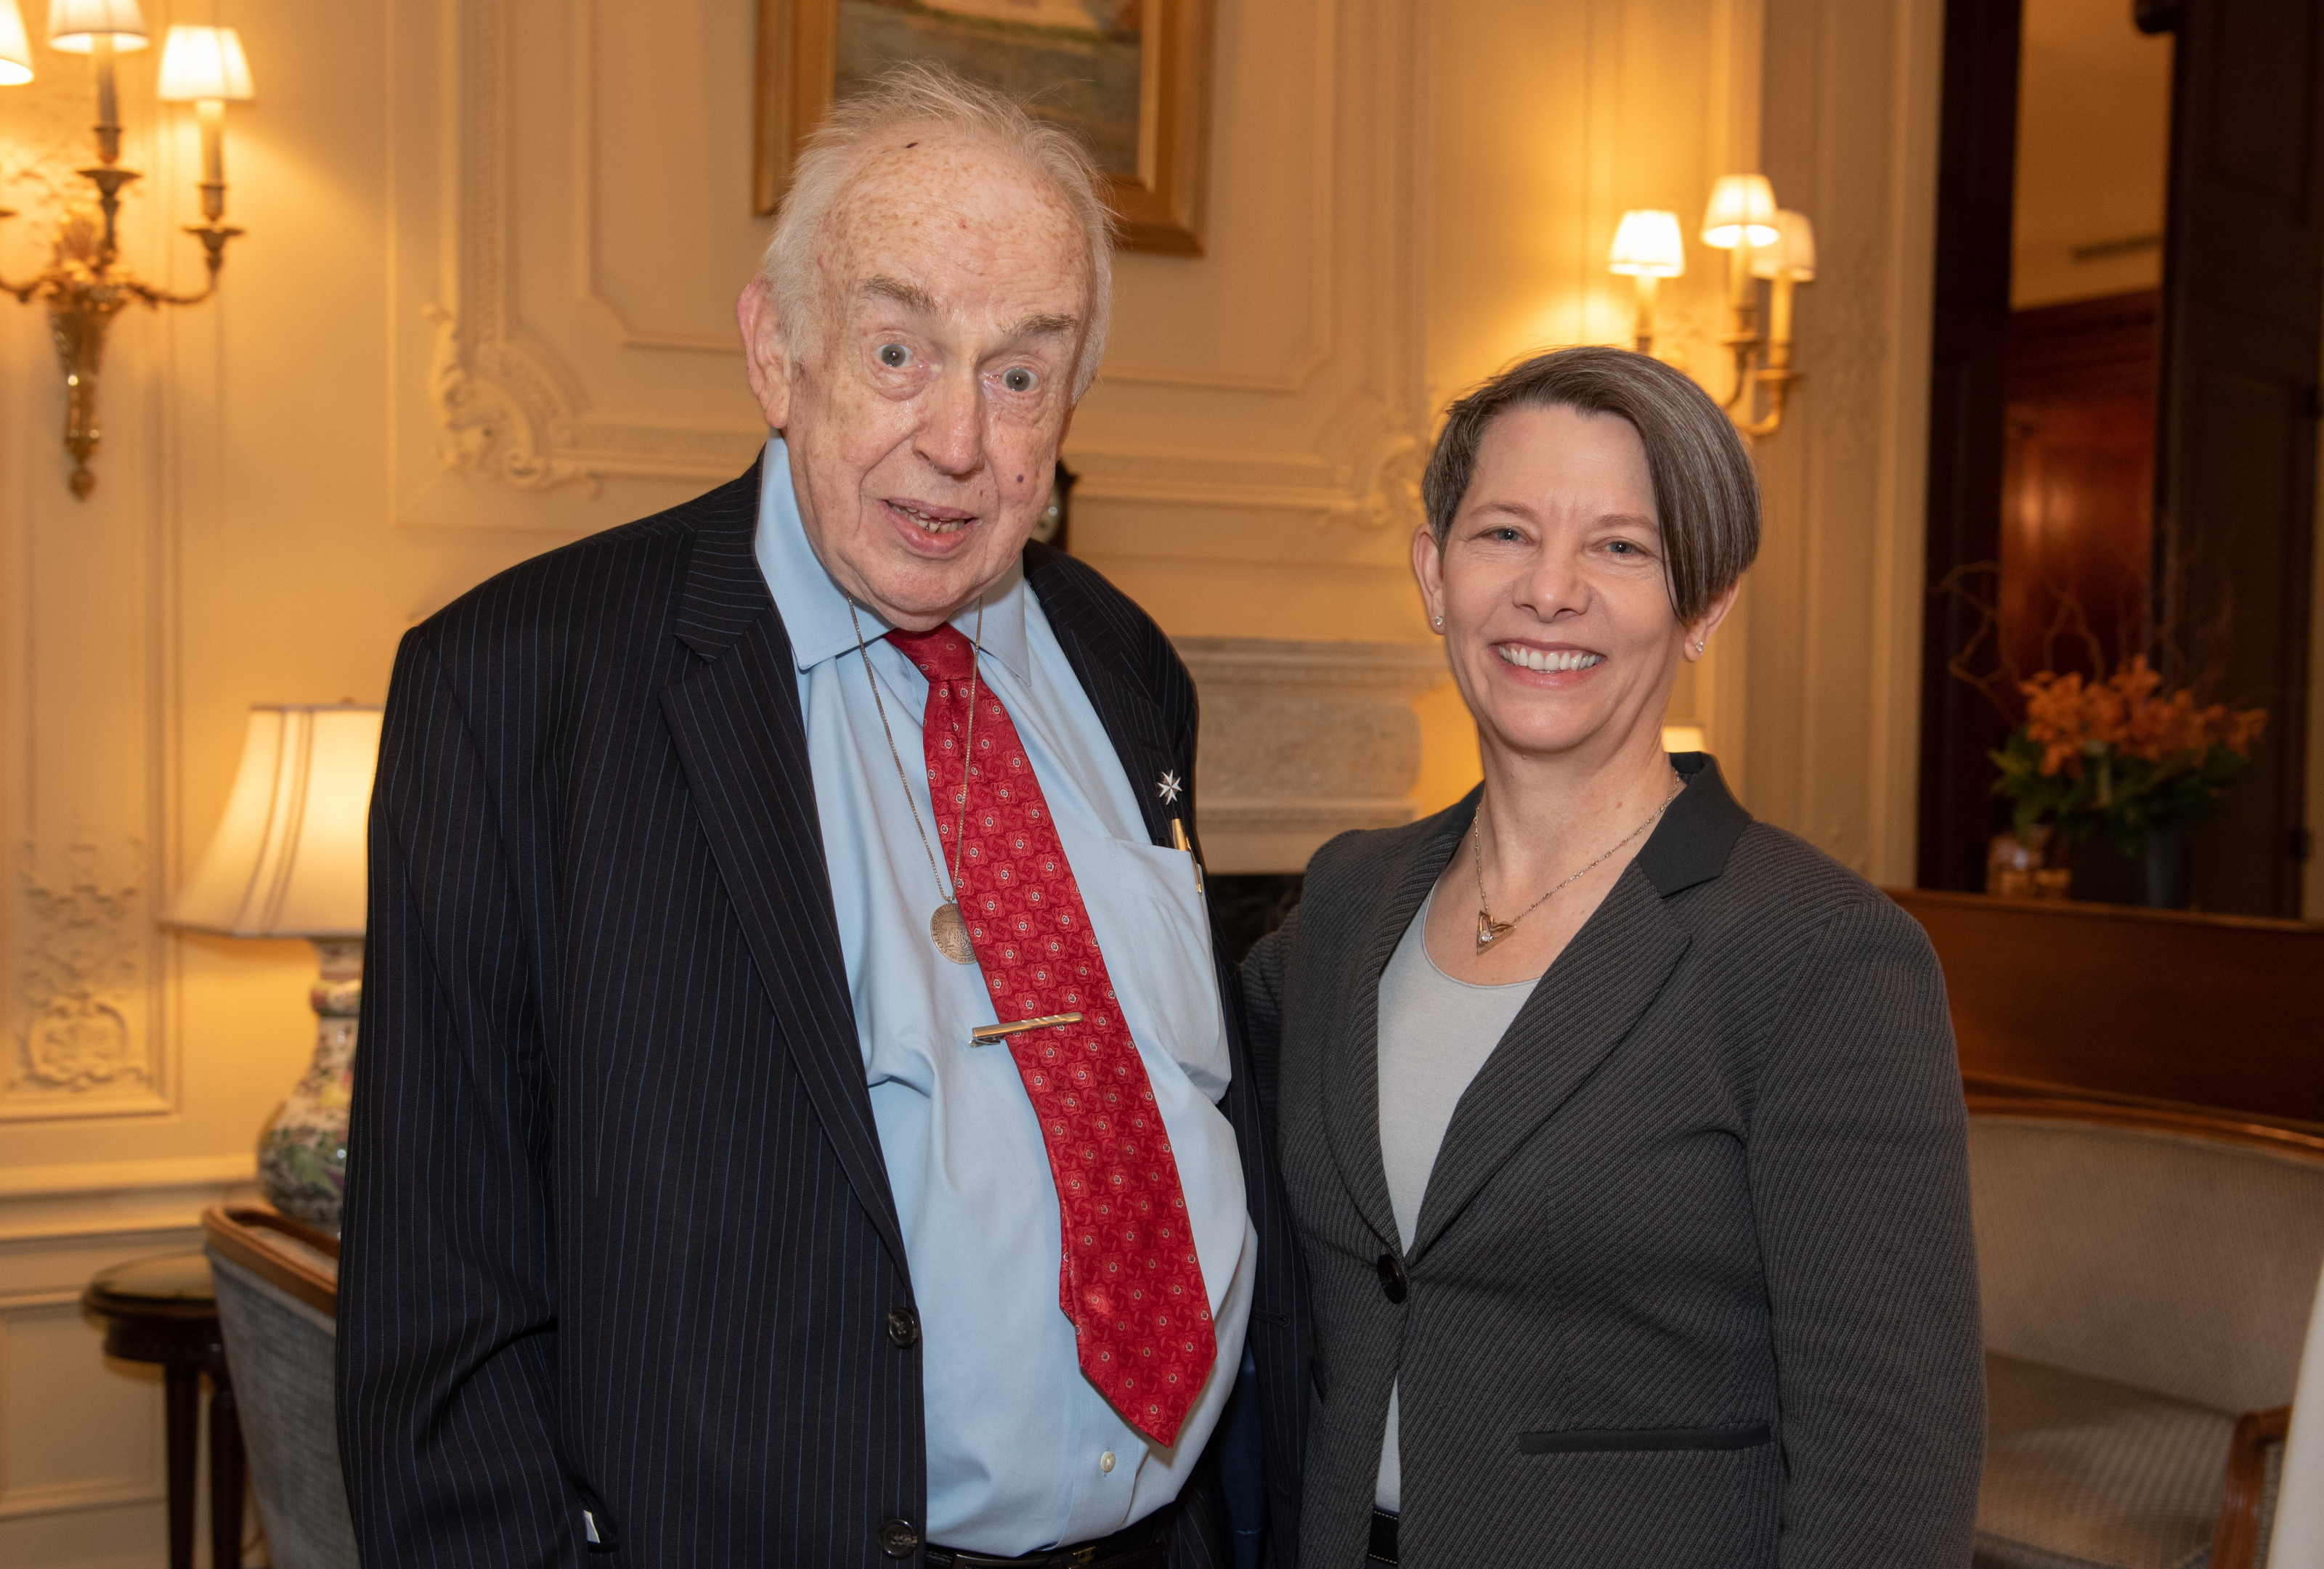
column 1553, row 589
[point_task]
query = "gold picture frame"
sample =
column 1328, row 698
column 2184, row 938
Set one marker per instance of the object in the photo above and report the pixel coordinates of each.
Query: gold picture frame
column 1160, row 205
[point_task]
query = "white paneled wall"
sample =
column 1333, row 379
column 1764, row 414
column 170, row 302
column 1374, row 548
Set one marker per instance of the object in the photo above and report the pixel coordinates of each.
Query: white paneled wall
column 483, row 307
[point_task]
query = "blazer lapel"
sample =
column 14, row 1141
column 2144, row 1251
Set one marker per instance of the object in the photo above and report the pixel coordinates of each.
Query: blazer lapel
column 742, row 741
column 1352, row 1070
column 1101, row 651
column 1585, row 1004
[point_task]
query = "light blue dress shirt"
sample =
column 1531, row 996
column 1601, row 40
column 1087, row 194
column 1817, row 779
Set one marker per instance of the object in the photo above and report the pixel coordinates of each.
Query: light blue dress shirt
column 1023, row 1454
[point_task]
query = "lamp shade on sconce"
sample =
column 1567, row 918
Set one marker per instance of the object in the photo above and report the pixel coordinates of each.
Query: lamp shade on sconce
column 1742, row 212
column 1647, row 244
column 15, row 47
column 1792, row 254
column 74, row 25
column 288, row 860
column 205, row 62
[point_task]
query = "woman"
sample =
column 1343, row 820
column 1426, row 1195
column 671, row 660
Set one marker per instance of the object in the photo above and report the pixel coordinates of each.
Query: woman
column 1623, row 1133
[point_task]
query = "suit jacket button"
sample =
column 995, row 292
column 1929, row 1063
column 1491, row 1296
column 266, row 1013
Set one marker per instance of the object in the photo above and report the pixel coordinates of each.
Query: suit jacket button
column 898, row 1539
column 1391, row 1274
column 904, row 1327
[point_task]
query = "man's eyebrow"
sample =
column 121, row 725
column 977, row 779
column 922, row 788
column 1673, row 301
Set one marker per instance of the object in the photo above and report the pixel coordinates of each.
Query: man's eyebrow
column 910, row 295
column 1050, row 325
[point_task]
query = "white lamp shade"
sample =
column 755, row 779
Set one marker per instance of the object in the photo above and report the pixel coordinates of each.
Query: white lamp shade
column 1742, row 212
column 1647, row 244
column 204, row 62
column 15, row 49
column 288, row 860
column 74, row 24
column 1793, row 255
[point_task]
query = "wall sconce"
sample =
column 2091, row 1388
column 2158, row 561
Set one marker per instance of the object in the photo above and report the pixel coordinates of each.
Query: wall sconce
column 1647, row 249
column 1744, row 221
column 1789, row 262
column 84, row 286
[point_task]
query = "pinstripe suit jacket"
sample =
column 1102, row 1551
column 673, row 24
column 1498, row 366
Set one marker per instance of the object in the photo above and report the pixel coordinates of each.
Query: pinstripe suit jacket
column 1693, row 1282
column 619, row 1236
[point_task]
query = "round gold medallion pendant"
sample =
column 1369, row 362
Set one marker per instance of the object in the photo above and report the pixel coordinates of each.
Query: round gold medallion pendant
column 950, row 933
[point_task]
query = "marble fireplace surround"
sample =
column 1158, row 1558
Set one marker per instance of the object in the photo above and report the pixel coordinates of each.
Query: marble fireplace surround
column 1301, row 740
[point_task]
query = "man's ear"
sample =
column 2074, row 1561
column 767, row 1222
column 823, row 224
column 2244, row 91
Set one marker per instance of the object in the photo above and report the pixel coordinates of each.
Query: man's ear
column 766, row 352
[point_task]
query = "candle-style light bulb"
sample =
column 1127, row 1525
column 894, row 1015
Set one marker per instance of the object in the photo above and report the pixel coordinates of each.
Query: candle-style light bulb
column 205, row 67
column 108, row 101
column 1647, row 248
column 102, row 30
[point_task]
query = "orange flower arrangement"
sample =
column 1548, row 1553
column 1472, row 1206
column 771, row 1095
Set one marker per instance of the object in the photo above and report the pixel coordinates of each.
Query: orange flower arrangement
column 2120, row 754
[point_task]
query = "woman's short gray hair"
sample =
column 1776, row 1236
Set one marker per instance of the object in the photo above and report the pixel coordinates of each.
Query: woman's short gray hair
column 1706, row 492
column 924, row 96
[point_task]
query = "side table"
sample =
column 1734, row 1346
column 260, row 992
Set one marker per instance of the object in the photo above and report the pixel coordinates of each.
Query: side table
column 161, row 1310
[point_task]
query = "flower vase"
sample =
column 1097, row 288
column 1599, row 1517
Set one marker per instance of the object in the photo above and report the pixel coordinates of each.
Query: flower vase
column 302, row 1155
column 2164, row 861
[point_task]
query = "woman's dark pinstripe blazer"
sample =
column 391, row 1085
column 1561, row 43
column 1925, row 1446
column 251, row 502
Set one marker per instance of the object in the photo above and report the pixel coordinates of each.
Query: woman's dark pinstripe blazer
column 1692, row 1283
column 619, row 1236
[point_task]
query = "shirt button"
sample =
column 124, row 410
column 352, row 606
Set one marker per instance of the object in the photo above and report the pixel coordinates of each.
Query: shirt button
column 898, row 1539
column 904, row 1327
column 1105, row 1461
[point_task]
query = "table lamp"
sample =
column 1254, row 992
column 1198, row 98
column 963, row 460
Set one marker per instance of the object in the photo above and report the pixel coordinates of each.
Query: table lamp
column 288, row 860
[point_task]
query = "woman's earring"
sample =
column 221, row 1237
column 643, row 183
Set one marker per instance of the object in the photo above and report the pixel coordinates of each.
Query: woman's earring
column 1437, row 623
column 1698, row 650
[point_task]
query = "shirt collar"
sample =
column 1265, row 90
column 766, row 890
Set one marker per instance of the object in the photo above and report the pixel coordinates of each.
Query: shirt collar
column 815, row 610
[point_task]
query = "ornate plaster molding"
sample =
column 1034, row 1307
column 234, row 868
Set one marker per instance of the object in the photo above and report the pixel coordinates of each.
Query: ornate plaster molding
column 486, row 426
column 81, row 974
column 507, row 405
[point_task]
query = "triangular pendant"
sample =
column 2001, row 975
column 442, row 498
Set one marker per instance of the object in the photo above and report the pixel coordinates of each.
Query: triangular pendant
column 1488, row 929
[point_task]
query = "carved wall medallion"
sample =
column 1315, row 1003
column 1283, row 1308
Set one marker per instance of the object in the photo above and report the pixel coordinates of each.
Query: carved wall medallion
column 81, row 971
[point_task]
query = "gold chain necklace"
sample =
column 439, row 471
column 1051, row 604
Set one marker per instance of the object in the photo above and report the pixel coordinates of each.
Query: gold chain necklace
column 946, row 930
column 1489, row 931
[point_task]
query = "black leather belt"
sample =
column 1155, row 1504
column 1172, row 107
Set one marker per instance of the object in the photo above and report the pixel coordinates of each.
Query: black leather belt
column 1144, row 1546
column 1383, row 1549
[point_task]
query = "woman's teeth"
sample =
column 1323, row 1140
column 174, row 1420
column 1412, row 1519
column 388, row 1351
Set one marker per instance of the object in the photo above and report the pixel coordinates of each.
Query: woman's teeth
column 1539, row 659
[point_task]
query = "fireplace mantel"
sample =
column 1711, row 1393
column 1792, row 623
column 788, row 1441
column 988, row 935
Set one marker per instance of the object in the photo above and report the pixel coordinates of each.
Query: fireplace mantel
column 1301, row 740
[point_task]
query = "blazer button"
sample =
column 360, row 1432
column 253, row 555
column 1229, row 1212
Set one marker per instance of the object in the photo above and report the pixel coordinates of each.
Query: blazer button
column 898, row 1539
column 1391, row 1274
column 904, row 1327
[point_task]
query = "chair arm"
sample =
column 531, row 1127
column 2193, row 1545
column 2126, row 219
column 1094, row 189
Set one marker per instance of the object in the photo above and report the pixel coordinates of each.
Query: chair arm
column 2235, row 1539
column 308, row 1269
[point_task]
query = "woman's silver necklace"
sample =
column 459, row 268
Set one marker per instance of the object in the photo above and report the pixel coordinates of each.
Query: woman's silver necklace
column 1489, row 931
column 946, row 930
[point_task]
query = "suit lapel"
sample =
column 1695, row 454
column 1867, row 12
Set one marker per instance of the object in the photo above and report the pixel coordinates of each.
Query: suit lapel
column 1101, row 651
column 1351, row 1070
column 735, row 719
column 1585, row 1004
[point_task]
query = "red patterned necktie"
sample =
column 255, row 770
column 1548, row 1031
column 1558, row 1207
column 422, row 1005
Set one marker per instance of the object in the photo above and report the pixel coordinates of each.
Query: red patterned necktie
column 1129, row 1279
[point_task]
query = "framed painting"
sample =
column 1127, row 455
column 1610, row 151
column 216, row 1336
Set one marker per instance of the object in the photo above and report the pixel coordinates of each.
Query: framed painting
column 1130, row 77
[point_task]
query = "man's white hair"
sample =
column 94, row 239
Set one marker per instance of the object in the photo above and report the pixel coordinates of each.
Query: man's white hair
column 921, row 96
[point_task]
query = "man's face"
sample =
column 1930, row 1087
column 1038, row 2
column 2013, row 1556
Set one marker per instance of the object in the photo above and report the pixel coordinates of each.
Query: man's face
column 924, row 409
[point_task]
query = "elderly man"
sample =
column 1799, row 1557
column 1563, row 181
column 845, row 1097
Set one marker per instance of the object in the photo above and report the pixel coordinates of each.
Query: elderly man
column 798, row 1110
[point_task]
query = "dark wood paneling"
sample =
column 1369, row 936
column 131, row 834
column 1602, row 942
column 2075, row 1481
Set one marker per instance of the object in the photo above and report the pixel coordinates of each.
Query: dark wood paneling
column 2077, row 487
column 2236, row 479
column 1969, row 351
column 2204, row 1010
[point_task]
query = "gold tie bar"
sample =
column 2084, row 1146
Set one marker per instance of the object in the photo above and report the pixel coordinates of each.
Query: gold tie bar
column 985, row 1034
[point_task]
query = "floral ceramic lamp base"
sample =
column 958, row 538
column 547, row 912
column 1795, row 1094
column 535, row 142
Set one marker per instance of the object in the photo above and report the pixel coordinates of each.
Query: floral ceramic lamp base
column 302, row 1155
